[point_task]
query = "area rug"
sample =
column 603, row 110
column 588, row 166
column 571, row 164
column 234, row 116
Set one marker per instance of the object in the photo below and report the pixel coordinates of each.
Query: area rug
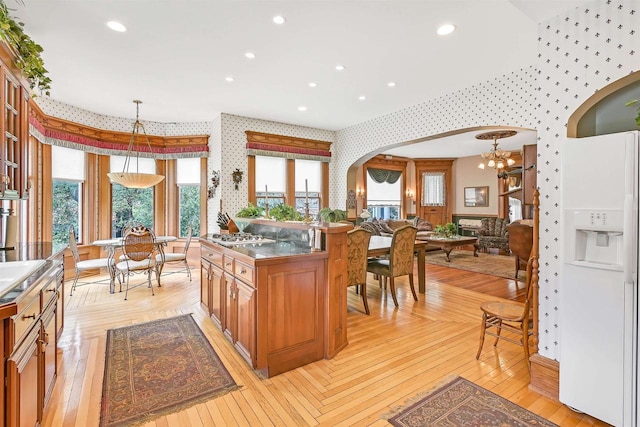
column 496, row 265
column 463, row 403
column 157, row 368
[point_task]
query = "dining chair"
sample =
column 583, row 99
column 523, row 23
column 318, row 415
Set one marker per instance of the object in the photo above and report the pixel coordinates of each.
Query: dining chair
column 164, row 258
column 89, row 264
column 514, row 317
column 400, row 261
column 357, row 245
column 139, row 247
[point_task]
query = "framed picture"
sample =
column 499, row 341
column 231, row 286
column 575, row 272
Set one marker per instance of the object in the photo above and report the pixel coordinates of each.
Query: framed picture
column 476, row 196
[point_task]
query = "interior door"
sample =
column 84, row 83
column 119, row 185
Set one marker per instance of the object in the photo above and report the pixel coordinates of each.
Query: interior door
column 434, row 197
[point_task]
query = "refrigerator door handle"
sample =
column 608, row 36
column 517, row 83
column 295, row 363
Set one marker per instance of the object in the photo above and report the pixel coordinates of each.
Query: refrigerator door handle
column 628, row 251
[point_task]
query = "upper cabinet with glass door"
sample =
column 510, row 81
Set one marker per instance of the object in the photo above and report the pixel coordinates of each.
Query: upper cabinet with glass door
column 14, row 126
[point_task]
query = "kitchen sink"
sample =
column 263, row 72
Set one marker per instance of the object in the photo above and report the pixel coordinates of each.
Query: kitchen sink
column 14, row 272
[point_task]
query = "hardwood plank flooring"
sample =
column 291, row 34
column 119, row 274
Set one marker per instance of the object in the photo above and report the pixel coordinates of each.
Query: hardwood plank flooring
column 392, row 355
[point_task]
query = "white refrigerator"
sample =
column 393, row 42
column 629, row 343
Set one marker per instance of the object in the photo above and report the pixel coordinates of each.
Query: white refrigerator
column 598, row 289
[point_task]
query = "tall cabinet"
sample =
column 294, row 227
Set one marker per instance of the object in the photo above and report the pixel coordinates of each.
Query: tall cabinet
column 519, row 183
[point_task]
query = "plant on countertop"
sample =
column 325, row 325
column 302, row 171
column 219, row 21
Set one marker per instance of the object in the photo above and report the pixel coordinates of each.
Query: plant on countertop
column 447, row 230
column 332, row 215
column 285, row 213
column 633, row 102
column 251, row 211
column 27, row 51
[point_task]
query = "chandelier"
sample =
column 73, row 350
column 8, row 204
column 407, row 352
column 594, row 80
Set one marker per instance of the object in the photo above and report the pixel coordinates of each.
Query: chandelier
column 135, row 179
column 496, row 158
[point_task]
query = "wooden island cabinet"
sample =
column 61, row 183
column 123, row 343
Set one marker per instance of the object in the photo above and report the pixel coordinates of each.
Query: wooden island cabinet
column 274, row 300
column 32, row 316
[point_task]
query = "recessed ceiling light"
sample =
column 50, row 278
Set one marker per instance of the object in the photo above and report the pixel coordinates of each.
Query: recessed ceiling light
column 229, row 79
column 250, row 55
column 445, row 29
column 116, row 26
column 391, row 84
column 313, row 84
column 362, row 97
column 339, row 67
column 302, row 108
column 279, row 20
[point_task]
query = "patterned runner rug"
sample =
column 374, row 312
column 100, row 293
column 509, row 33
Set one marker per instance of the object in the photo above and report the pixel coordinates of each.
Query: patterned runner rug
column 463, row 403
column 157, row 368
column 496, row 265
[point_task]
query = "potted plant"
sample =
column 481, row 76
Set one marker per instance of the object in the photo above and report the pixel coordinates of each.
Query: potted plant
column 447, row 231
column 251, row 211
column 332, row 215
column 634, row 102
column 285, row 213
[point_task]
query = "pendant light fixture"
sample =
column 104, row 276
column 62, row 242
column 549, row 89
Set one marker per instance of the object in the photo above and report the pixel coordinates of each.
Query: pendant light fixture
column 496, row 158
column 131, row 179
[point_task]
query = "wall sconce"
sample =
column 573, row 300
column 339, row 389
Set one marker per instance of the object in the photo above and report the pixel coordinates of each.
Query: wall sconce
column 237, row 178
column 360, row 192
column 410, row 193
column 215, row 182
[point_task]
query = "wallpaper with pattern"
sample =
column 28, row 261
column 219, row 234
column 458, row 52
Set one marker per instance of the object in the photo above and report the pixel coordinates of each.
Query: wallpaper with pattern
column 233, row 153
column 578, row 54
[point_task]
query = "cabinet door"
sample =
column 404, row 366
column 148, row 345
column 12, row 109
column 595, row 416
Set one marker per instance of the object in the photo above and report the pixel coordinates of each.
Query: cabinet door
column 229, row 312
column 22, row 382
column 48, row 354
column 245, row 338
column 205, row 270
column 216, row 297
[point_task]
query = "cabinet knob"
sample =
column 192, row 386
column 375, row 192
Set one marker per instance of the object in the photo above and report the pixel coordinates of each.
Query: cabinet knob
column 227, row 264
column 243, row 271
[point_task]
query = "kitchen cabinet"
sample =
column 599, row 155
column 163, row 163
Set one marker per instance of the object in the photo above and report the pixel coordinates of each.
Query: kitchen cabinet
column 520, row 182
column 211, row 281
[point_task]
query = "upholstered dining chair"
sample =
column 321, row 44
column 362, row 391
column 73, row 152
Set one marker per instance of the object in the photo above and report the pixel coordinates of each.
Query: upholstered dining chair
column 89, row 264
column 512, row 316
column 139, row 247
column 400, row 261
column 177, row 257
column 357, row 246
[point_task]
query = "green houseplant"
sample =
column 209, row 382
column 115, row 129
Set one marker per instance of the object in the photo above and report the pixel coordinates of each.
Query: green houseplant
column 285, row 213
column 634, row 102
column 448, row 230
column 250, row 211
column 332, row 215
column 27, row 51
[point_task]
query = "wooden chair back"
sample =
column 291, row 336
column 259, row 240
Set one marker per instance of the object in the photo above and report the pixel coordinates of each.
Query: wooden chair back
column 73, row 245
column 401, row 252
column 357, row 247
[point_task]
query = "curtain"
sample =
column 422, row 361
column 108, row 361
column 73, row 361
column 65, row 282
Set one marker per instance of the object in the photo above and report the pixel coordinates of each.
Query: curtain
column 384, row 175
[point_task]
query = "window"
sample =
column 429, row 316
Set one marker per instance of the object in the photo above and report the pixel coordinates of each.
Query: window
column 188, row 180
column 308, row 183
column 68, row 173
column 383, row 198
column 131, row 204
column 271, row 174
column 433, row 189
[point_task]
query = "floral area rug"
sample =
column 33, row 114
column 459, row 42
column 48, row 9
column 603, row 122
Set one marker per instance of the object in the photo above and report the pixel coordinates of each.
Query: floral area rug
column 157, row 368
column 462, row 403
column 496, row 265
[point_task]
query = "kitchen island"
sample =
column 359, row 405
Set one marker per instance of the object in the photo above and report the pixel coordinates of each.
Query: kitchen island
column 279, row 302
column 32, row 314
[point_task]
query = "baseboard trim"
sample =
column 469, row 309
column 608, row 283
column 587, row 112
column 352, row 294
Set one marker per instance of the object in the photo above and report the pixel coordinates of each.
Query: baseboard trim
column 545, row 376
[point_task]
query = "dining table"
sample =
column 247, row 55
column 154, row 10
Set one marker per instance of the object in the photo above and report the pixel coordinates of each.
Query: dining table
column 112, row 245
column 381, row 245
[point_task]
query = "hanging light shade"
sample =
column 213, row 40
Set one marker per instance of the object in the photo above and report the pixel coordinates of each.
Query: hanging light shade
column 496, row 158
column 128, row 178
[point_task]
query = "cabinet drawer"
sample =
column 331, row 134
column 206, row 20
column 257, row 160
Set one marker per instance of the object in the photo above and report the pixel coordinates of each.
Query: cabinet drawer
column 49, row 293
column 212, row 256
column 25, row 319
column 243, row 272
column 228, row 264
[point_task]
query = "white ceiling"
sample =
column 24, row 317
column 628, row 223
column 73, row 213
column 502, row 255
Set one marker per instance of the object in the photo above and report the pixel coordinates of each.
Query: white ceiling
column 176, row 54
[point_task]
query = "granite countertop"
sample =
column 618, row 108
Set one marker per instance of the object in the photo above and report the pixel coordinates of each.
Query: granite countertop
column 31, row 251
column 264, row 250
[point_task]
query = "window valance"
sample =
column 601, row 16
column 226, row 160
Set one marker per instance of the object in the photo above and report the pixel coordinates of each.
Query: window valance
column 384, row 175
column 53, row 131
column 264, row 144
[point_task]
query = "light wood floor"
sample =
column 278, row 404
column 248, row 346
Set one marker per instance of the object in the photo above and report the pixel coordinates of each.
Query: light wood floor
column 392, row 355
